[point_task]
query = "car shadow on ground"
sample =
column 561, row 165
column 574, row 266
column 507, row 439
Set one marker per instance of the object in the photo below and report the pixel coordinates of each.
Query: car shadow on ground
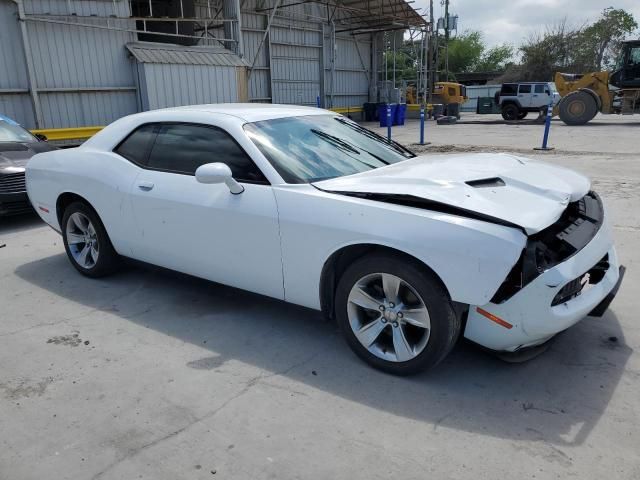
column 19, row 223
column 556, row 398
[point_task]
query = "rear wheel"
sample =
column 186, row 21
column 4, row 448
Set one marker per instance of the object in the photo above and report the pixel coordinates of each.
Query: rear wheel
column 395, row 315
column 577, row 108
column 510, row 112
column 86, row 241
column 522, row 115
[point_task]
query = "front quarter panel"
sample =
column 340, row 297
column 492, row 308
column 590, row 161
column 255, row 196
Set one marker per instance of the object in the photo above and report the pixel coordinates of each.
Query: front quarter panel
column 471, row 257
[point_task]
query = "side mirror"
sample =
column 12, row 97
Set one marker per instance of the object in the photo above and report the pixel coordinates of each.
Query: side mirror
column 218, row 173
column 41, row 137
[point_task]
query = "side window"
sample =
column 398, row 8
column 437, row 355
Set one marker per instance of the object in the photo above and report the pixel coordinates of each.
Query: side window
column 135, row 147
column 539, row 89
column 524, row 89
column 182, row 148
column 508, row 89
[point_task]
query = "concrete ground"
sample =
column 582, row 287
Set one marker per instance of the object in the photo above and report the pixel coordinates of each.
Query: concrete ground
column 150, row 374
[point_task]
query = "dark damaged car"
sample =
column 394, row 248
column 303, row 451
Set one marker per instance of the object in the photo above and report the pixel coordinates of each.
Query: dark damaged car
column 17, row 146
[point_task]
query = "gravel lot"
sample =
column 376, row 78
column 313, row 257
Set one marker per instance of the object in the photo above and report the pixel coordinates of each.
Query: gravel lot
column 151, row 374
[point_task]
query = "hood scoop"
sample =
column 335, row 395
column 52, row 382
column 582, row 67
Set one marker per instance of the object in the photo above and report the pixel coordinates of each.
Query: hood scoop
column 486, row 182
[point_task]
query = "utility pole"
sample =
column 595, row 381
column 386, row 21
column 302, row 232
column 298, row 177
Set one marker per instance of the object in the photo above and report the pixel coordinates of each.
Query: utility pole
column 446, row 40
column 432, row 46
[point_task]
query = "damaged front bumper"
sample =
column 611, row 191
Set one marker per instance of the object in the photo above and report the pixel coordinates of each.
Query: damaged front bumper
column 554, row 298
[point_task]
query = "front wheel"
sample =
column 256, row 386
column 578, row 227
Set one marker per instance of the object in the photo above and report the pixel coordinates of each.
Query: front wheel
column 510, row 112
column 395, row 314
column 86, row 241
column 577, row 108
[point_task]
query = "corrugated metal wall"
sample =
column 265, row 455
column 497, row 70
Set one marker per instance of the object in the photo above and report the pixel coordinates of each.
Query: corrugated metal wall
column 15, row 101
column 295, row 65
column 169, row 85
column 348, row 82
column 84, row 76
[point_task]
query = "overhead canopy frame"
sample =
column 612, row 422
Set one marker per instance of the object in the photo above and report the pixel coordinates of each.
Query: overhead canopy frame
column 365, row 16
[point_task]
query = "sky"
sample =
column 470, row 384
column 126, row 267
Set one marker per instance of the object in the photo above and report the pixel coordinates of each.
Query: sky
column 511, row 21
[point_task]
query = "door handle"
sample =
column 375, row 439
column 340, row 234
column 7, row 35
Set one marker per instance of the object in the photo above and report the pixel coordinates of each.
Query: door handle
column 145, row 186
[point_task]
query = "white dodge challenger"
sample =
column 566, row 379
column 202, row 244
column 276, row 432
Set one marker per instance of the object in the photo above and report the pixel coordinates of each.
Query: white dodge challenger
column 406, row 252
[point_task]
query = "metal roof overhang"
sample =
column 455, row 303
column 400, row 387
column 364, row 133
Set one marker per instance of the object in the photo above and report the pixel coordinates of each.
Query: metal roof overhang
column 150, row 52
column 366, row 16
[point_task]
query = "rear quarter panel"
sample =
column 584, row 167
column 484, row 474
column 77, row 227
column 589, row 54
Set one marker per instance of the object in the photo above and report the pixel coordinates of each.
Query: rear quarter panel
column 103, row 179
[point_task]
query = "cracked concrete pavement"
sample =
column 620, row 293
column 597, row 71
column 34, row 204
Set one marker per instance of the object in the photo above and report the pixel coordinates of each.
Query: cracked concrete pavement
column 152, row 374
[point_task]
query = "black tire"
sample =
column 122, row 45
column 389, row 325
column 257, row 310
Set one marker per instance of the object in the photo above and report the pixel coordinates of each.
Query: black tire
column 510, row 112
column 445, row 324
column 577, row 108
column 107, row 260
column 522, row 115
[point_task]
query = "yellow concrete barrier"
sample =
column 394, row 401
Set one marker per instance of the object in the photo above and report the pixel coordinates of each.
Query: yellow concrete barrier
column 346, row 109
column 79, row 133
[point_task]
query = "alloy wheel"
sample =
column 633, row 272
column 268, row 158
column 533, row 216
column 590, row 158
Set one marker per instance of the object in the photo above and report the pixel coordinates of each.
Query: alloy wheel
column 388, row 317
column 82, row 240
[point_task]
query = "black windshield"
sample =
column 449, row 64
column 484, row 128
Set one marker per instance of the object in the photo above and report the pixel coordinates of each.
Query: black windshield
column 317, row 147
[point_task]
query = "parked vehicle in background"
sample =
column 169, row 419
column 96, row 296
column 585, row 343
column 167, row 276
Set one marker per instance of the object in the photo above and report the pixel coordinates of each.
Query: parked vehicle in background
column 616, row 92
column 451, row 95
column 516, row 100
column 17, row 146
column 406, row 252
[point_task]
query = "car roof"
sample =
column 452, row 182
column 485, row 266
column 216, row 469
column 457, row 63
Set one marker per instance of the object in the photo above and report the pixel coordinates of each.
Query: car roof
column 253, row 112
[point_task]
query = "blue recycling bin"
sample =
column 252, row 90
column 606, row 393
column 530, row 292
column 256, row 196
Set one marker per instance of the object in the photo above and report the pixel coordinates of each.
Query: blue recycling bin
column 401, row 113
column 382, row 113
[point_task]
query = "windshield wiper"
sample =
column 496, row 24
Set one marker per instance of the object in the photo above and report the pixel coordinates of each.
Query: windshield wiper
column 335, row 140
column 405, row 152
column 341, row 144
column 380, row 159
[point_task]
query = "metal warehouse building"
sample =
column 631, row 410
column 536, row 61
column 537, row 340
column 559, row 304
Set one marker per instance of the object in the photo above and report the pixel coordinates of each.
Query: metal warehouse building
column 72, row 63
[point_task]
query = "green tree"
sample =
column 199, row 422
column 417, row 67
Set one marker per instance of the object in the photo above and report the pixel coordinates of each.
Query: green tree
column 544, row 53
column 495, row 59
column 592, row 47
column 468, row 53
column 602, row 38
column 465, row 51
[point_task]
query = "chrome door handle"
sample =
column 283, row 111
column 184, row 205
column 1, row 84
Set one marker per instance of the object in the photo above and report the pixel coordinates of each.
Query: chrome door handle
column 145, row 186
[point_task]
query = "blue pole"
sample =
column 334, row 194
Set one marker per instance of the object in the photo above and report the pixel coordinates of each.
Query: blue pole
column 389, row 121
column 318, row 101
column 421, row 124
column 547, row 127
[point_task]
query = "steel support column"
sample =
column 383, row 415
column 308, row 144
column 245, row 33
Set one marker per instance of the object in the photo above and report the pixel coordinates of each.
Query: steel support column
column 26, row 44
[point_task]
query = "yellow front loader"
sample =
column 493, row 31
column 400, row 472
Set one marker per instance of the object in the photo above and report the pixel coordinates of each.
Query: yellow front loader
column 584, row 95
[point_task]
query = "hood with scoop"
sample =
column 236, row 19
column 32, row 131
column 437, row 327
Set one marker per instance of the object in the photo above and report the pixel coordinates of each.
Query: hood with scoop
column 502, row 188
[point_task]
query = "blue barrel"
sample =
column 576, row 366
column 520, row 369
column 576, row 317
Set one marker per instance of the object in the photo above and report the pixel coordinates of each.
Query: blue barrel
column 382, row 113
column 401, row 113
